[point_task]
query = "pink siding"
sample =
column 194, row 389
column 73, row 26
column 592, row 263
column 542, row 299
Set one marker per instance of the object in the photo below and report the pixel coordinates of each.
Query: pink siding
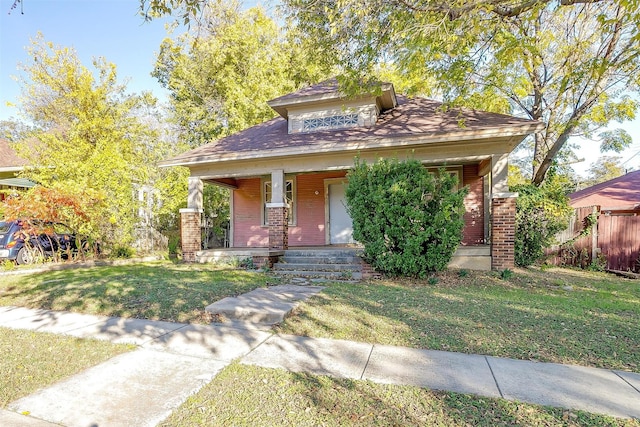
column 310, row 226
column 310, row 211
column 247, row 215
column 473, row 233
column 310, row 222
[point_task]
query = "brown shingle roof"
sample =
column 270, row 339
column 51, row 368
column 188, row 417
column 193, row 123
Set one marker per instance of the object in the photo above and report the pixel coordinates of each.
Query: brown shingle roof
column 417, row 117
column 620, row 192
column 327, row 86
column 8, row 157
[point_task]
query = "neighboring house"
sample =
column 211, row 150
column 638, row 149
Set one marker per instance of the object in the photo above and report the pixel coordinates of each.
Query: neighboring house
column 287, row 175
column 616, row 235
column 618, row 194
column 10, row 165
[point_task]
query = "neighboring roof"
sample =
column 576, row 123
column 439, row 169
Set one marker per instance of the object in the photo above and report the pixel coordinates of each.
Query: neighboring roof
column 9, row 160
column 619, row 193
column 415, row 118
column 327, row 91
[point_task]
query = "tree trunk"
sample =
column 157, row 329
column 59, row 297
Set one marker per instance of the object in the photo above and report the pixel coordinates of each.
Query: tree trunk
column 540, row 169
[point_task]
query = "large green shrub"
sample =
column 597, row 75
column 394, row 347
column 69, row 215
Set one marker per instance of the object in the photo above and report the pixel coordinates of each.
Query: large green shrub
column 541, row 212
column 408, row 219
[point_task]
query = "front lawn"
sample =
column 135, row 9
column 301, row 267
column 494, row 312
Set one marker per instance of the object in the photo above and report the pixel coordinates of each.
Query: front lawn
column 30, row 360
column 157, row 290
column 251, row 396
column 557, row 315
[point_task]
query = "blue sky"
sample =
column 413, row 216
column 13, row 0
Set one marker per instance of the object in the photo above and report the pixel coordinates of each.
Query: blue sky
column 112, row 29
column 95, row 28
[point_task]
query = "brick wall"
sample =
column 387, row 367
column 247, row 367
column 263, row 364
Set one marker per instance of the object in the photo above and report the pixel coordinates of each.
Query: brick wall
column 503, row 230
column 473, row 232
column 190, row 234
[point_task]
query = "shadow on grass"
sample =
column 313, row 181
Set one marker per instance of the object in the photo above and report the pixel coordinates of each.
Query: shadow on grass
column 160, row 291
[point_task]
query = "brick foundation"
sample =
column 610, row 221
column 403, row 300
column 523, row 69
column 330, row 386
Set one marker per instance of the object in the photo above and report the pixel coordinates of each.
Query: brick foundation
column 368, row 272
column 503, row 231
column 190, row 234
column 278, row 227
column 265, row 261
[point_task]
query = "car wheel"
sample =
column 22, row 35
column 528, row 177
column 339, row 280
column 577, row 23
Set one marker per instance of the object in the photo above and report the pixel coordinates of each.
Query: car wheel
column 27, row 255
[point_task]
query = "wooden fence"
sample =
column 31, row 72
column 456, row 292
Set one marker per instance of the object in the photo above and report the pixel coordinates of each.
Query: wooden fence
column 614, row 240
column 619, row 239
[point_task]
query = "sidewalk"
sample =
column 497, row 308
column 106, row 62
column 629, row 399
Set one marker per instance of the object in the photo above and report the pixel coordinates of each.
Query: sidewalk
column 175, row 360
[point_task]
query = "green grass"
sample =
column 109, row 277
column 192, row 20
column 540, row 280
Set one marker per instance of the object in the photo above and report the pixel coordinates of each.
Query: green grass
column 30, row 361
column 558, row 315
column 251, row 396
column 157, row 291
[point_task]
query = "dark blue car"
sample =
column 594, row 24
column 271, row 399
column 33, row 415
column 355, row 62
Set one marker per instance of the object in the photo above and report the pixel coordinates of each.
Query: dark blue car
column 26, row 242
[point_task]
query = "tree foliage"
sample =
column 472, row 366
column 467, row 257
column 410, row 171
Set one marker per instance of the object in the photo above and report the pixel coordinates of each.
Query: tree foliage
column 571, row 64
column 409, row 220
column 186, row 10
column 221, row 73
column 14, row 130
column 541, row 212
column 89, row 135
column 603, row 169
column 55, row 205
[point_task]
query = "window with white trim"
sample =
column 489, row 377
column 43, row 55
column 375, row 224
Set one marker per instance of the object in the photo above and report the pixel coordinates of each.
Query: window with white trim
column 289, row 194
column 457, row 172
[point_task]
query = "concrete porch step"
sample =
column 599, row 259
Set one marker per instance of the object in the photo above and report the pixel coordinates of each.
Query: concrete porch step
column 280, row 266
column 323, row 253
column 331, row 264
column 328, row 275
column 302, row 259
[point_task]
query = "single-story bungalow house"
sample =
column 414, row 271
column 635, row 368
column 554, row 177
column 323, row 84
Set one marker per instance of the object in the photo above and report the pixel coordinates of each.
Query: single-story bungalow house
column 287, row 175
column 10, row 165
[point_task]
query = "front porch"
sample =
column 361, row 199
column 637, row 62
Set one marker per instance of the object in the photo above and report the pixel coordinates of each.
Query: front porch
column 332, row 261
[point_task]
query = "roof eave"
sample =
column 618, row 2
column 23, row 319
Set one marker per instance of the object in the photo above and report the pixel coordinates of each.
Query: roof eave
column 11, row 168
column 281, row 106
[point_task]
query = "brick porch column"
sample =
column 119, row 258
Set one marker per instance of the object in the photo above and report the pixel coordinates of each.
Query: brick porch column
column 190, row 232
column 278, row 226
column 278, row 213
column 503, row 230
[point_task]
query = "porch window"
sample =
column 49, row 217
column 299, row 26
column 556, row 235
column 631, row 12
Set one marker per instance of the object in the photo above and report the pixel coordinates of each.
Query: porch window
column 457, row 172
column 289, row 194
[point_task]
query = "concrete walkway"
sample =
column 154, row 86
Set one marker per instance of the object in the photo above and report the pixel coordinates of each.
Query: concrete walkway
column 175, row 360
